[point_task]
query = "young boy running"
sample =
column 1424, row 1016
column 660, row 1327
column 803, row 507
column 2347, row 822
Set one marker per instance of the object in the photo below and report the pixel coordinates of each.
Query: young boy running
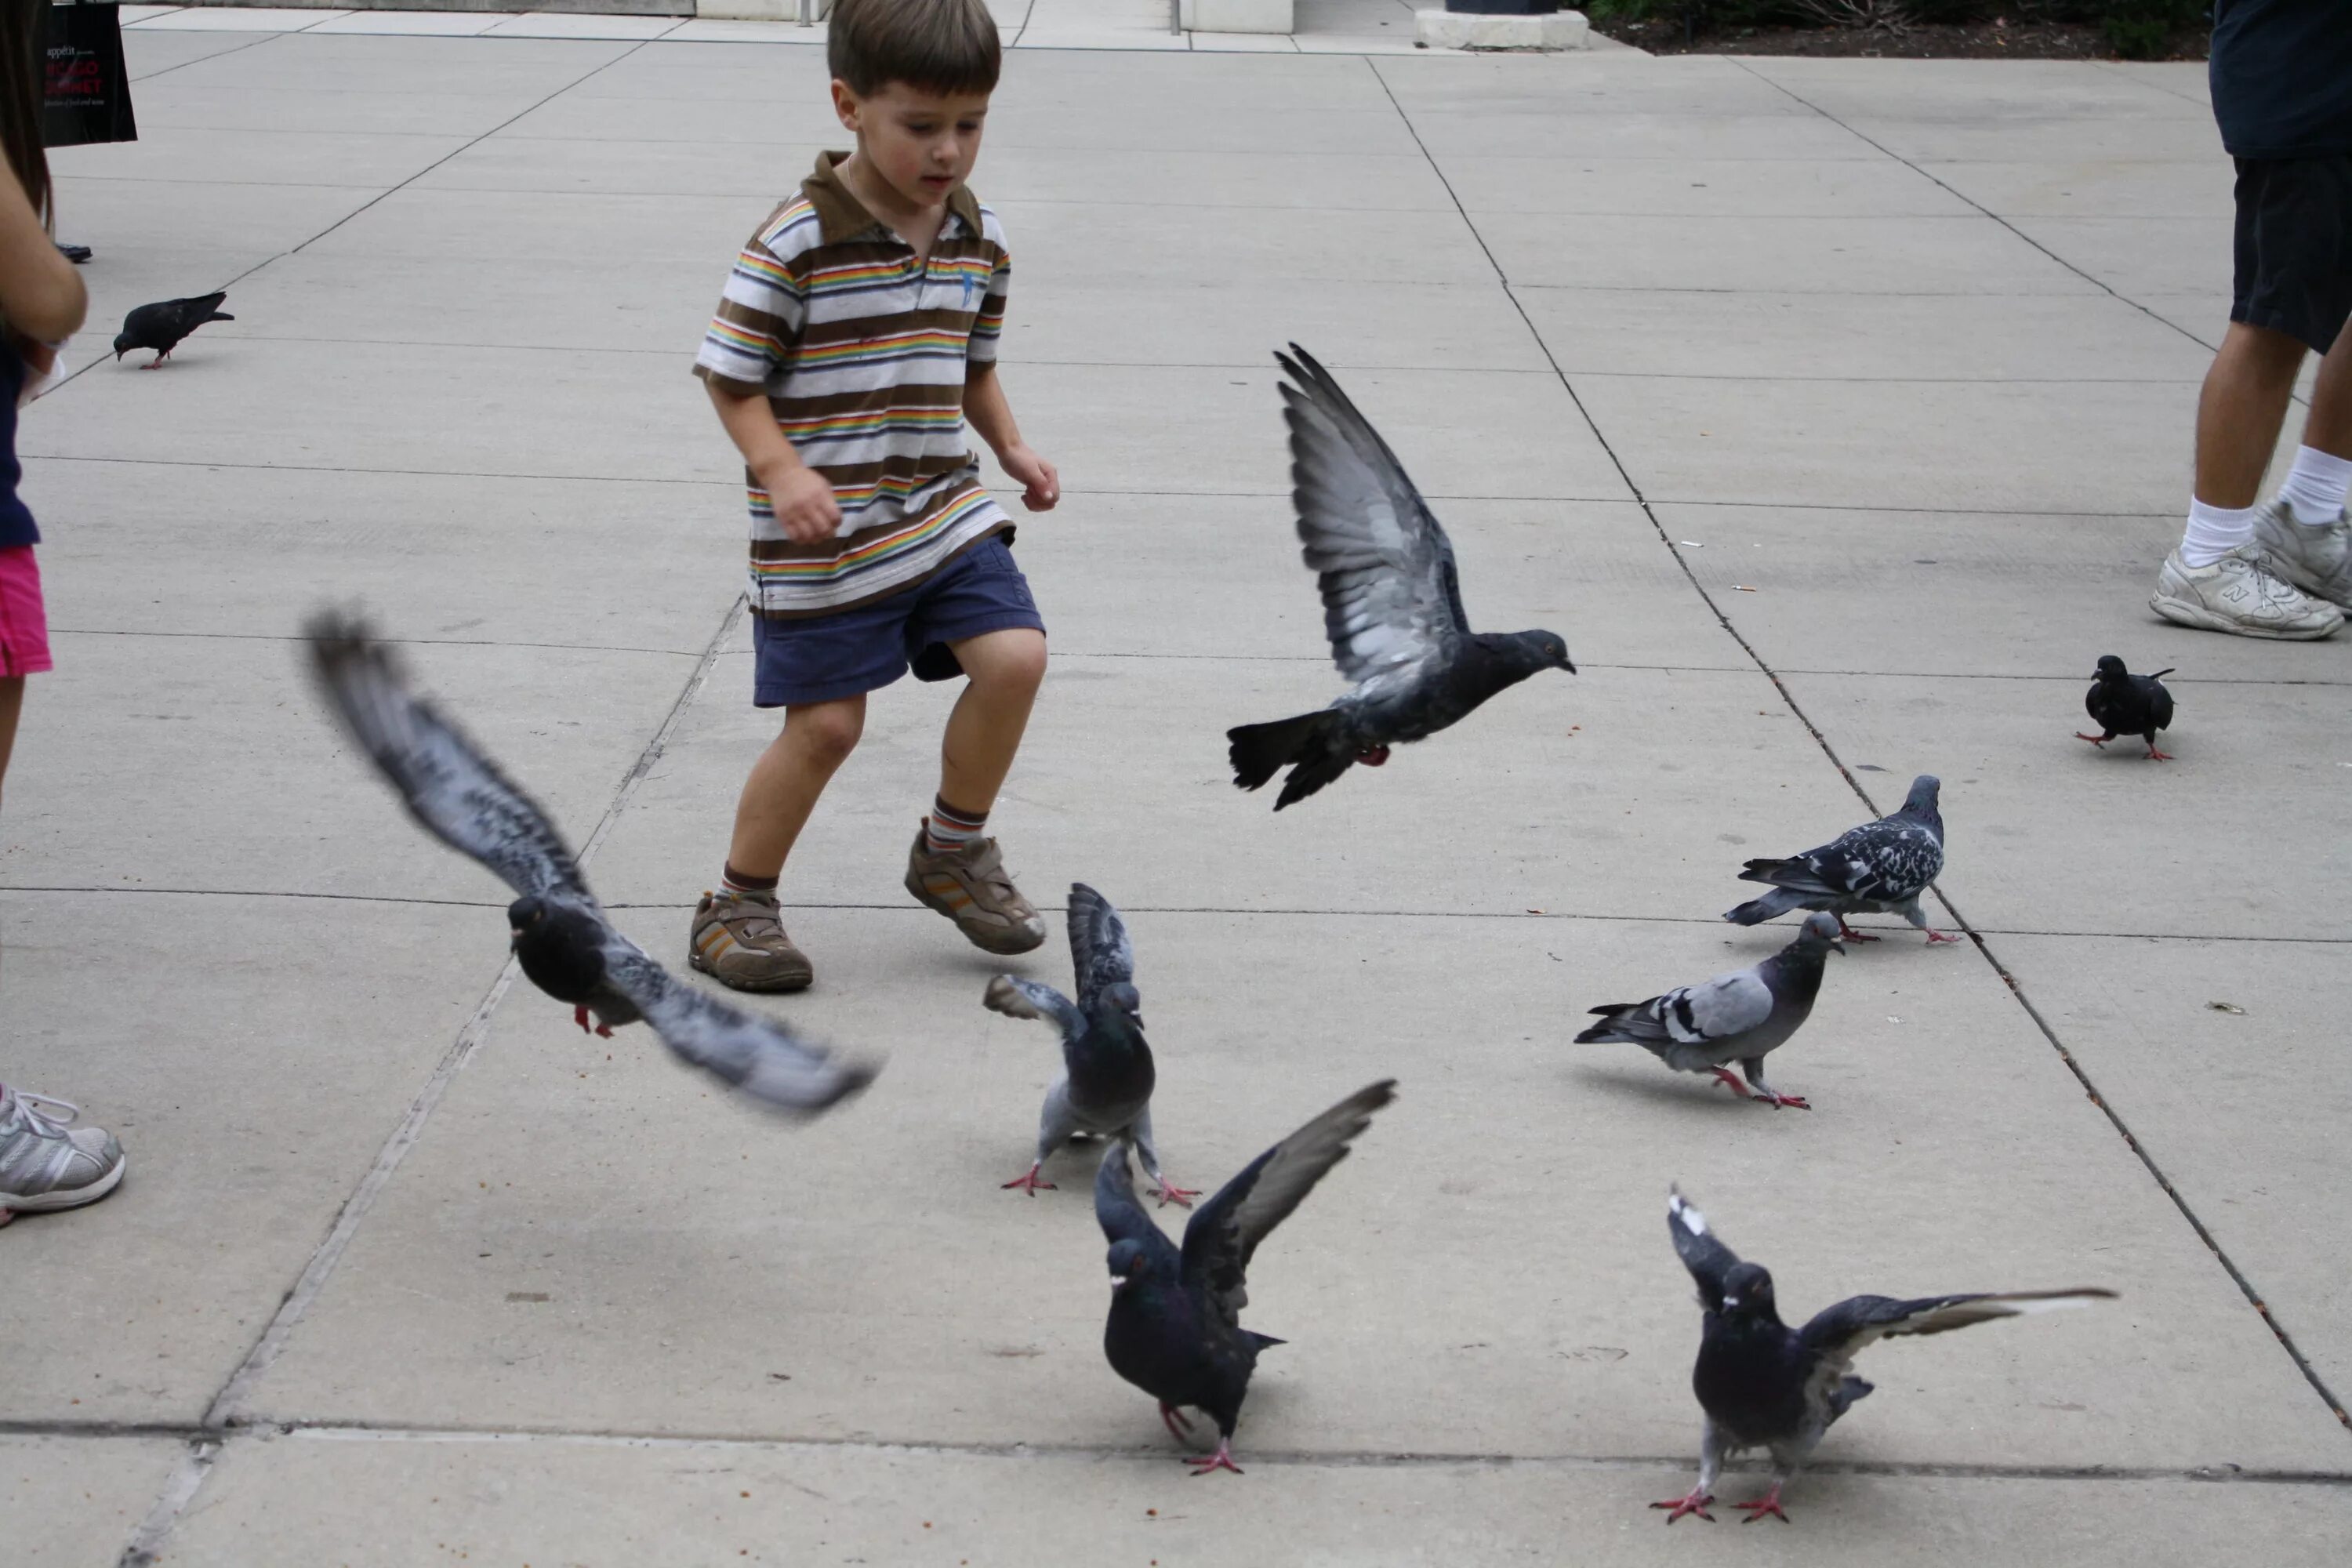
column 857, row 336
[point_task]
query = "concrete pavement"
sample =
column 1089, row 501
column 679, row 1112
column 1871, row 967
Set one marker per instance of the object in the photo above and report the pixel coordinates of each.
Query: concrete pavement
column 1836, row 413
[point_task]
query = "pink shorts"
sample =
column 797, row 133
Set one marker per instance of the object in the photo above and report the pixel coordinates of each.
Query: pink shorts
column 23, row 624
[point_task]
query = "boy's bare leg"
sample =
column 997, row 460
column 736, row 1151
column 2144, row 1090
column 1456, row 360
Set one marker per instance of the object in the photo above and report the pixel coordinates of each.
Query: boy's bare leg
column 1004, row 671
column 2241, row 412
column 786, row 780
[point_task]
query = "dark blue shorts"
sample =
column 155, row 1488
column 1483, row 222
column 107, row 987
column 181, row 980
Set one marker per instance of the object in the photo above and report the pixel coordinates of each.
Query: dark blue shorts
column 822, row 658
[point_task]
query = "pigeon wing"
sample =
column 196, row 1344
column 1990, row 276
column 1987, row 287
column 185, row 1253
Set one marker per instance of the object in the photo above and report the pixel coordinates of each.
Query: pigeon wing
column 1100, row 952
column 1707, row 1258
column 759, row 1057
column 1225, row 1231
column 1841, row 1330
column 1391, row 595
column 1120, row 1215
column 448, row 785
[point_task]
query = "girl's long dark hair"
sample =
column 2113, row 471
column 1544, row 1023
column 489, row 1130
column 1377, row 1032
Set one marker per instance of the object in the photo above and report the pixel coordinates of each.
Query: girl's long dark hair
column 24, row 59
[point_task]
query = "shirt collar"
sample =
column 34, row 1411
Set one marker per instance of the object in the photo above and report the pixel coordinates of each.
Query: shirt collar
column 841, row 216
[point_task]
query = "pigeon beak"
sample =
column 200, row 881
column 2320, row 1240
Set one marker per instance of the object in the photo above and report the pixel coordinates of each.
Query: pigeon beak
column 1837, row 947
column 1119, row 1281
column 1730, row 1303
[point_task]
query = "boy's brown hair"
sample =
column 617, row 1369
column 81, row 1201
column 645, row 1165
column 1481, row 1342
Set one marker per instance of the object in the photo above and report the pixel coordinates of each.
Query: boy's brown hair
column 932, row 46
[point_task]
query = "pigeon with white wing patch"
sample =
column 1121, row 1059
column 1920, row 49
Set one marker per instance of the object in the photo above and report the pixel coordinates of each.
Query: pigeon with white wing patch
column 1741, row 1017
column 1763, row 1384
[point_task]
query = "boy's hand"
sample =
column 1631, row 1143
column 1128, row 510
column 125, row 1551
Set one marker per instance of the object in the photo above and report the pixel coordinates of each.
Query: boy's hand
column 803, row 503
column 1041, row 484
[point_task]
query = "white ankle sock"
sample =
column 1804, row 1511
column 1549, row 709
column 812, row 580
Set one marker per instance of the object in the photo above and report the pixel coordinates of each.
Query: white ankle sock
column 2213, row 531
column 2315, row 484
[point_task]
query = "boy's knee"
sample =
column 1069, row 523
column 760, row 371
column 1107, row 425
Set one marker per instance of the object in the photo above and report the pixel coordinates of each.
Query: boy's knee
column 1014, row 660
column 829, row 732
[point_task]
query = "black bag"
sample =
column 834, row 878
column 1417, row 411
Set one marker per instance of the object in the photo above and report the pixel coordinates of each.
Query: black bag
column 88, row 94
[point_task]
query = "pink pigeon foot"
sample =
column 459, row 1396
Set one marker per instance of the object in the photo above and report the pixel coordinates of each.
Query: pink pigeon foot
column 1694, row 1501
column 1758, row 1508
column 2098, row 740
column 1372, row 758
column 1222, row 1459
column 1168, row 1191
column 1935, row 936
column 2156, row 756
column 1173, row 1419
column 580, row 1017
column 1729, row 1081
column 1030, row 1183
column 1776, row 1099
column 1850, row 934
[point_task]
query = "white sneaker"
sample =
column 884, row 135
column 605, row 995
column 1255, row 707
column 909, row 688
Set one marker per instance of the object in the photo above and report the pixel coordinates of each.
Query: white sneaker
column 2317, row 560
column 46, row 1161
column 2236, row 594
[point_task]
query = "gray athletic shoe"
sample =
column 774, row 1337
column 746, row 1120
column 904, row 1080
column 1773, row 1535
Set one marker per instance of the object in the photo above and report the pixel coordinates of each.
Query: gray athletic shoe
column 46, row 1163
column 2237, row 593
column 2317, row 560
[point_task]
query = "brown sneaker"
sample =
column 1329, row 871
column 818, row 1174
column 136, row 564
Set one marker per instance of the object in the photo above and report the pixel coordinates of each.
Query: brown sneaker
column 737, row 939
column 972, row 888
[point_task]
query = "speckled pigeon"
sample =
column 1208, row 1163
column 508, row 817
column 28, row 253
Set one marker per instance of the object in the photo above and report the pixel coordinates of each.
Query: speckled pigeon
column 559, row 934
column 1392, row 603
column 1740, row 1017
column 1881, row 864
column 1174, row 1329
column 162, row 325
column 1107, row 1070
column 2122, row 703
column 1763, row 1384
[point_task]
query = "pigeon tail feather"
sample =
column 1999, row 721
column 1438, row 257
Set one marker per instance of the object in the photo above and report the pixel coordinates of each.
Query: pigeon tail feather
column 1261, row 750
column 1771, row 906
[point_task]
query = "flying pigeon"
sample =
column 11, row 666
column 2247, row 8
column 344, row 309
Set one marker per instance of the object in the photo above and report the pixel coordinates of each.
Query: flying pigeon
column 1392, row 603
column 1174, row 1329
column 1881, row 864
column 162, row 326
column 1763, row 1384
column 1738, row 1017
column 2122, row 703
column 560, row 936
column 1106, row 1073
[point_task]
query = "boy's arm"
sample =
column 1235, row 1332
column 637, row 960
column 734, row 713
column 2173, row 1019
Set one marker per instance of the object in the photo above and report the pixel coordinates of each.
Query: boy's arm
column 801, row 497
column 986, row 406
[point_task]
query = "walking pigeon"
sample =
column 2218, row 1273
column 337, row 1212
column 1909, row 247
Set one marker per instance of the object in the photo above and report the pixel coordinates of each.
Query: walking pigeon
column 162, row 326
column 1392, row 603
column 1763, row 1384
column 1740, row 1016
column 565, row 945
column 1881, row 864
column 2122, row 703
column 1174, row 1329
column 1106, row 1072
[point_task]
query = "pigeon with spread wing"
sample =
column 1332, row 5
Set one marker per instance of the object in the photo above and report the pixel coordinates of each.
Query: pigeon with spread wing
column 1107, row 1069
column 1392, row 603
column 1763, row 1384
column 560, row 934
column 1175, row 1329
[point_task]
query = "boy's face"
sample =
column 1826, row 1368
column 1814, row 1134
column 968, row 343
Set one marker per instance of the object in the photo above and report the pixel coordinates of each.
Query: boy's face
column 922, row 144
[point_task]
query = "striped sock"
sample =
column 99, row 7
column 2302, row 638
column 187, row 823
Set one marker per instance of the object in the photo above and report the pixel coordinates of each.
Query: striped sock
column 950, row 826
column 735, row 881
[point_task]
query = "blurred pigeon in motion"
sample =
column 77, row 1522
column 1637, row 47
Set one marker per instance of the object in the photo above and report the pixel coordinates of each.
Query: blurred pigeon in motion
column 1106, row 1072
column 1881, row 864
column 1740, row 1016
column 162, row 326
column 560, row 934
column 2122, row 703
column 1763, row 1384
column 1174, row 1329
column 1392, row 603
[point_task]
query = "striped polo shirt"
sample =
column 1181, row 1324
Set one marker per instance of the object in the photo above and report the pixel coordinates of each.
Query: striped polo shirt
column 861, row 348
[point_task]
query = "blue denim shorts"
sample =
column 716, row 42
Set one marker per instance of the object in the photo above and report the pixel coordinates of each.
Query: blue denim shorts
column 822, row 658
